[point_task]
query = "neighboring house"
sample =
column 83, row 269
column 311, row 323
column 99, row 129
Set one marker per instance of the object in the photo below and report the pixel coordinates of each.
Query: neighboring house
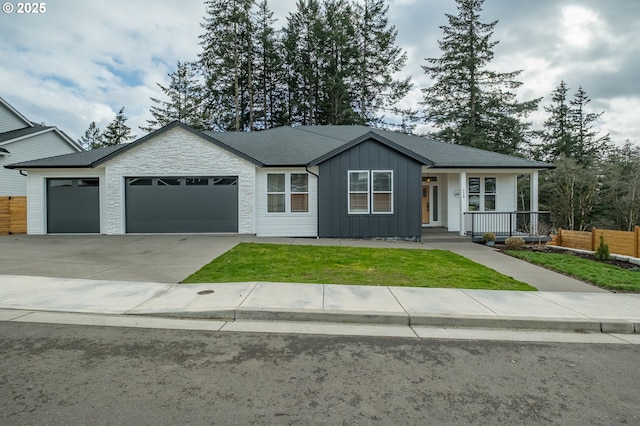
column 21, row 140
column 308, row 181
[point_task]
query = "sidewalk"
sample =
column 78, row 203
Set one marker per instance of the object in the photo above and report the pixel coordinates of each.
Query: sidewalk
column 21, row 296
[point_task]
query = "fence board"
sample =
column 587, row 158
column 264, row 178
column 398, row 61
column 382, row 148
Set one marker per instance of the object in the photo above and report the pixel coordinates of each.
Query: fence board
column 13, row 215
column 619, row 242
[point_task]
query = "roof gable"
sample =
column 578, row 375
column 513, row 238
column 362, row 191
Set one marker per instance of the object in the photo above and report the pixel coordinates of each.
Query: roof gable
column 14, row 113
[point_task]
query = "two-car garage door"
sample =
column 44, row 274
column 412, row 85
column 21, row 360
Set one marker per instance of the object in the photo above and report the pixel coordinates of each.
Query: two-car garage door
column 152, row 205
column 181, row 204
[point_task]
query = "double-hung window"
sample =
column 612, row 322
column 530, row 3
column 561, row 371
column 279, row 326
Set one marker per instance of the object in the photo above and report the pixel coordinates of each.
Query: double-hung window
column 370, row 191
column 287, row 192
column 482, row 194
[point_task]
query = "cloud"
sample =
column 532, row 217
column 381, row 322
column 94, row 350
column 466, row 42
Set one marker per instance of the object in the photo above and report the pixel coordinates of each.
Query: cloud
column 81, row 61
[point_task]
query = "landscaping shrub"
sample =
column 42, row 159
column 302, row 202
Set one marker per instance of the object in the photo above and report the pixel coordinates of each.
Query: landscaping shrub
column 602, row 252
column 514, row 243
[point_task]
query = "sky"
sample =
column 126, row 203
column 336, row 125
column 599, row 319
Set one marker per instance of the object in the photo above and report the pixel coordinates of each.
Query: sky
column 81, row 61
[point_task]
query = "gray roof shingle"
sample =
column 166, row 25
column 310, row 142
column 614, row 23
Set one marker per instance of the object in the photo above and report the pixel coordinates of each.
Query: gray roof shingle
column 310, row 145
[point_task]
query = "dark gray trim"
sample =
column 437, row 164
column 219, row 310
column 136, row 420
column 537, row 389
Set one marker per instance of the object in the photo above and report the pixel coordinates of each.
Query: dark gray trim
column 376, row 137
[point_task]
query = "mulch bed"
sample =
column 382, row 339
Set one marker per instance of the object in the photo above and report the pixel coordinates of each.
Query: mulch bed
column 620, row 264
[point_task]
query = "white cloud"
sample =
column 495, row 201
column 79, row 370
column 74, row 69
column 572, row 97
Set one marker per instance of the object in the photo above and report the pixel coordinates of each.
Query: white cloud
column 70, row 66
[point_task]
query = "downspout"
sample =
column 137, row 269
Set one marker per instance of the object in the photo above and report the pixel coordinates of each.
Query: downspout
column 306, row 167
column 23, row 173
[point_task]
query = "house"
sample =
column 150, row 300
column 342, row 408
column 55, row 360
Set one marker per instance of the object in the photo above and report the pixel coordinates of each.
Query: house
column 22, row 140
column 307, row 181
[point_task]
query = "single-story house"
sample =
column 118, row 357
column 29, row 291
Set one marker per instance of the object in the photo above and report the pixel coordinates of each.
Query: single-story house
column 307, row 181
column 22, row 140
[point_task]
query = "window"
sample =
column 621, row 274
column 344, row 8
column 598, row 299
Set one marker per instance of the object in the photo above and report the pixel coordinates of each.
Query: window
column 376, row 197
column 489, row 194
column 299, row 192
column 287, row 192
column 359, row 192
column 276, row 192
column 382, row 192
column 482, row 194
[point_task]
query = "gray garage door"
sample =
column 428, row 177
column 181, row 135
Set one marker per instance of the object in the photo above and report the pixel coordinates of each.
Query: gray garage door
column 73, row 205
column 182, row 204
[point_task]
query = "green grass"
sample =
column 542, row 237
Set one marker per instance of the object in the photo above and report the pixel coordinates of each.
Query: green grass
column 349, row 265
column 601, row 274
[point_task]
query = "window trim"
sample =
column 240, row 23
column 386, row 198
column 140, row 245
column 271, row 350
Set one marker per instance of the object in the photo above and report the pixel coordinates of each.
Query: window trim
column 482, row 193
column 281, row 193
column 369, row 193
column 288, row 193
column 390, row 192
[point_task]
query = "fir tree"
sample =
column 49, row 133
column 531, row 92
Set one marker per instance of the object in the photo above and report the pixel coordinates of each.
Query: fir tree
column 468, row 103
column 588, row 143
column 268, row 69
column 375, row 90
column 557, row 137
column 569, row 130
column 91, row 137
column 117, row 131
column 226, row 63
column 184, row 102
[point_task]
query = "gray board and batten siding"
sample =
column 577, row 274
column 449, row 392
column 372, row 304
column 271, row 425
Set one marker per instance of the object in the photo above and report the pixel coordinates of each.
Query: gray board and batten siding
column 334, row 218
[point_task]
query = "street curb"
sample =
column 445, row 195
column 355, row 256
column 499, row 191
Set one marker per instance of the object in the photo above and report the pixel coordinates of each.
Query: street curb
column 390, row 318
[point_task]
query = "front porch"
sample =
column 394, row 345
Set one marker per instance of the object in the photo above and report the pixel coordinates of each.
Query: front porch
column 531, row 226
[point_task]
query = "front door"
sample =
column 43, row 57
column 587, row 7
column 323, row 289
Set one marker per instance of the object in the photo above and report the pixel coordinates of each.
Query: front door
column 425, row 204
column 430, row 205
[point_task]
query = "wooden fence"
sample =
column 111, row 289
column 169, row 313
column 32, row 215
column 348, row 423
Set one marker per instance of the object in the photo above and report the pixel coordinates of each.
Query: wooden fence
column 620, row 242
column 13, row 215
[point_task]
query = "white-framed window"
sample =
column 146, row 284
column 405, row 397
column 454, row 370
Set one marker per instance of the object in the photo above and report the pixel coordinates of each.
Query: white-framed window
column 382, row 200
column 482, row 194
column 299, row 192
column 287, row 192
column 359, row 191
column 370, row 191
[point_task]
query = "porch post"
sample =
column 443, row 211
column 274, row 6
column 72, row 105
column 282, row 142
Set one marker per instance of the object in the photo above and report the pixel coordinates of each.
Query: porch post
column 463, row 202
column 534, row 192
column 534, row 217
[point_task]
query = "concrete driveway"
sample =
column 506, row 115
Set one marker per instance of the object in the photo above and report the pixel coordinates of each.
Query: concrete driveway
column 150, row 258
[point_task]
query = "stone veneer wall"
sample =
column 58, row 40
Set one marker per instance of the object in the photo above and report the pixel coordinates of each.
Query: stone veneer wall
column 177, row 153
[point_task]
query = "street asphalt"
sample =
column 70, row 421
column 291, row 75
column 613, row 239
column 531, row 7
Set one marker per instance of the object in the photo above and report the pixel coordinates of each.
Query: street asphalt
column 131, row 281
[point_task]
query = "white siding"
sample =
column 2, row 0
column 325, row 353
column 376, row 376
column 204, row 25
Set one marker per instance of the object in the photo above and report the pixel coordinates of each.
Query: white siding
column 42, row 145
column 178, row 153
column 9, row 120
column 286, row 224
column 37, row 195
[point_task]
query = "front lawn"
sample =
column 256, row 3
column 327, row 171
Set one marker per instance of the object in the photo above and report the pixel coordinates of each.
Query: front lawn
column 601, row 274
column 350, row 265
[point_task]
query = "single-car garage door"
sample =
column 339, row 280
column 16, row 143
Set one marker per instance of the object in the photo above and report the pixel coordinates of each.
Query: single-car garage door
column 73, row 205
column 181, row 204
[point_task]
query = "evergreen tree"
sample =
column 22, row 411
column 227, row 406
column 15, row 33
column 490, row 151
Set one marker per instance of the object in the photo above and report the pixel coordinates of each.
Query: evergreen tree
column 375, row 90
column 270, row 86
column 226, row 63
column 303, row 51
column 588, row 143
column 469, row 103
column 117, row 131
column 91, row 137
column 569, row 130
column 184, row 103
column 557, row 136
